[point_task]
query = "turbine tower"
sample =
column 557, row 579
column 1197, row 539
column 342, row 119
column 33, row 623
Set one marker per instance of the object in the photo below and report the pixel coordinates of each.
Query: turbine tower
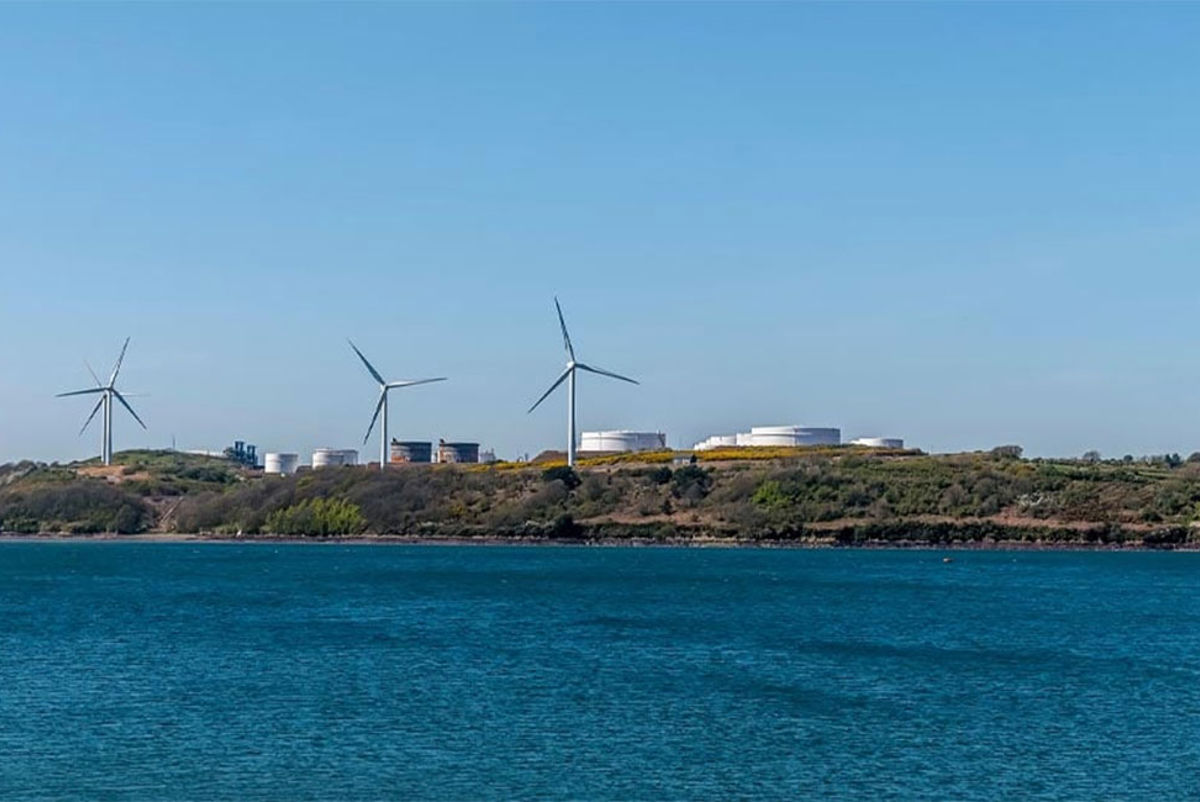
column 382, row 404
column 107, row 393
column 568, row 375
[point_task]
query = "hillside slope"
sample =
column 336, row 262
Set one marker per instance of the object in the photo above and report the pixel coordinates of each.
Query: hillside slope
column 825, row 496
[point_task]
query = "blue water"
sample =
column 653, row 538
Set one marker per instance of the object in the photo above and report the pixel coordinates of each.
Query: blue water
column 263, row 672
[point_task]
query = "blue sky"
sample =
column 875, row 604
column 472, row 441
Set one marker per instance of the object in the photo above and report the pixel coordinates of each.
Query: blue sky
column 963, row 224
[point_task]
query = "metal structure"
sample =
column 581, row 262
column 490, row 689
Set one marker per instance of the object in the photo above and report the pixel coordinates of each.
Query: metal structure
column 382, row 404
column 282, row 464
column 622, row 441
column 107, row 393
column 243, row 453
column 568, row 376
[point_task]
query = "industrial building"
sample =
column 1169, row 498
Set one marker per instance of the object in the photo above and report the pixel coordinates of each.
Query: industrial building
column 404, row 452
column 282, row 464
column 242, row 453
column 622, row 441
column 778, row 436
column 330, row 457
column 878, row 442
column 458, row 452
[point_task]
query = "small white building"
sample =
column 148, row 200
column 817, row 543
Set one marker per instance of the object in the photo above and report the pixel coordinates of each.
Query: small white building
column 622, row 441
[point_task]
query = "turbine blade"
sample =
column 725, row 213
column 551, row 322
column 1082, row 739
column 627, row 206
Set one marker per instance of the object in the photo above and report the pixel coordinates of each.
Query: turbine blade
column 553, row 387
column 566, row 337
column 87, row 365
column 591, row 369
column 95, row 409
column 375, row 417
column 88, row 391
column 125, row 404
column 370, row 367
column 117, row 368
column 411, row 382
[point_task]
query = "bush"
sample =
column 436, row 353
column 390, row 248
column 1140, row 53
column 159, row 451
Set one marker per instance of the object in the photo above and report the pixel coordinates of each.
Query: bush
column 563, row 473
column 320, row 516
column 660, row 475
column 692, row 483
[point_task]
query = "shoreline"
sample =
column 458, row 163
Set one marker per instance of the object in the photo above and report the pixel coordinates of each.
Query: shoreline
column 674, row 543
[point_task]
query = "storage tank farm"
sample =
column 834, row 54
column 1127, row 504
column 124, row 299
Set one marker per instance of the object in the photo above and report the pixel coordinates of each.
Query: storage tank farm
column 778, row 436
column 281, row 463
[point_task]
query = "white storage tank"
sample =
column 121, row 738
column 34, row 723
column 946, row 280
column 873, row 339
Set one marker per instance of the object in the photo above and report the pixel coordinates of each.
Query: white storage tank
column 280, row 463
column 622, row 441
column 793, row 436
column 716, row 441
column 330, row 457
column 878, row 442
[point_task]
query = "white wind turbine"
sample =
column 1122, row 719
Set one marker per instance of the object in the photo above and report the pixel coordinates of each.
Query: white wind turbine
column 568, row 375
column 382, row 404
column 107, row 393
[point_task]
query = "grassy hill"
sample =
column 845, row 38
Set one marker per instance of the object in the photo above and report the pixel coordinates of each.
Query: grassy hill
column 806, row 496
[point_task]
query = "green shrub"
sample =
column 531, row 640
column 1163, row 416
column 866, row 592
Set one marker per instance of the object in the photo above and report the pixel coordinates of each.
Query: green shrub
column 320, row 517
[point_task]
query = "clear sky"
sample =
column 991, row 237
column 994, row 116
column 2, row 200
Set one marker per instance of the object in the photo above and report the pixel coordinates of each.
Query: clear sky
column 962, row 224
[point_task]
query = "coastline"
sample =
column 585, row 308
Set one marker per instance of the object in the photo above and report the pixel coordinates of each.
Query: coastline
column 602, row 542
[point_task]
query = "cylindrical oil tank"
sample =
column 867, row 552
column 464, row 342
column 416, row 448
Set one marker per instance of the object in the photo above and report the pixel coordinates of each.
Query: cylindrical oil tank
column 878, row 442
column 280, row 463
column 330, row 457
column 405, row 451
column 793, row 436
column 716, row 441
column 458, row 452
column 622, row 441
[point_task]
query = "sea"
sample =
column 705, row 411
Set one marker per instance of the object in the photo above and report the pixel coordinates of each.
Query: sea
column 184, row 671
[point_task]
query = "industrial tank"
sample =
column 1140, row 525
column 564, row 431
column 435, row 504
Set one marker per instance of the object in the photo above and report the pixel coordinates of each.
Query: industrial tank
column 878, row 442
column 280, row 463
column 622, row 441
column 330, row 457
column 792, row 436
column 716, row 441
column 458, row 452
column 406, row 451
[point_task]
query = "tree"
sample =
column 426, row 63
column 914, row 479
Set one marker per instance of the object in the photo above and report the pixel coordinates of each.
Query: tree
column 1091, row 456
column 1008, row 452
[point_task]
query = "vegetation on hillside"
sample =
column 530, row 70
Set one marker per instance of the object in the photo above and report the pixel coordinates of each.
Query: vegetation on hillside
column 820, row 495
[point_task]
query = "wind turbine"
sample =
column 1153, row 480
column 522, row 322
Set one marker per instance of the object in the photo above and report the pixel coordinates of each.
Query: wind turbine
column 382, row 404
column 107, row 393
column 568, row 375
